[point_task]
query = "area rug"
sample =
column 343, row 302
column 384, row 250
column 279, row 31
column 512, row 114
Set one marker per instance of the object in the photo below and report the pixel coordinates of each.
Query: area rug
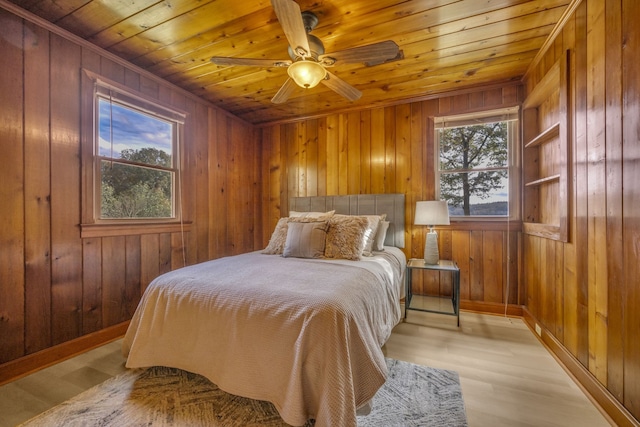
column 413, row 395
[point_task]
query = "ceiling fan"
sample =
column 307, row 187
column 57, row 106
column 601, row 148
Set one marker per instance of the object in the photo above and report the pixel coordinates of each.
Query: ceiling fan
column 308, row 65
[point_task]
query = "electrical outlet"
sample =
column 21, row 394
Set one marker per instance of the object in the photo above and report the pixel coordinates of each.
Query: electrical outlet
column 538, row 330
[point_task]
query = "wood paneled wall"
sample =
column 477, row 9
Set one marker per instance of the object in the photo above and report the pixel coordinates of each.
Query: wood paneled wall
column 54, row 285
column 389, row 150
column 586, row 292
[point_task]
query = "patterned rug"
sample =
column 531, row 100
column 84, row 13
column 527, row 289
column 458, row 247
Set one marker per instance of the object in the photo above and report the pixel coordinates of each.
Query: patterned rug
column 412, row 396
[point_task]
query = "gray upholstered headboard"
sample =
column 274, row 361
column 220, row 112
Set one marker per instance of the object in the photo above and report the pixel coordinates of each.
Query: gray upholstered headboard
column 360, row 204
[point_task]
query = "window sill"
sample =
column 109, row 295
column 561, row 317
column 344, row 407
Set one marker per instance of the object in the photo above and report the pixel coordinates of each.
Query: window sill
column 471, row 224
column 131, row 229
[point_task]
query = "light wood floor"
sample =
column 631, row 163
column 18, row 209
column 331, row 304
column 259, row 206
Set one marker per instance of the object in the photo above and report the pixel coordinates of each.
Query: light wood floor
column 508, row 378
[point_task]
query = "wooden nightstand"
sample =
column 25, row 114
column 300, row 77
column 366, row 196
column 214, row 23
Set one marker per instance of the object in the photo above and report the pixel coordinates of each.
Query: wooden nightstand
column 434, row 304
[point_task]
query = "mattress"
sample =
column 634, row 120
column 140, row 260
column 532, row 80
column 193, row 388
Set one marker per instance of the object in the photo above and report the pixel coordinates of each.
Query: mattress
column 304, row 334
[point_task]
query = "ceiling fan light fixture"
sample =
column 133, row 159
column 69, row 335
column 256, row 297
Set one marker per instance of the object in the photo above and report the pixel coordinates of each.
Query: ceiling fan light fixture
column 306, row 74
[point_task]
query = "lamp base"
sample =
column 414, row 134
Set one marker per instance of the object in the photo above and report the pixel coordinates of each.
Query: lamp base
column 431, row 254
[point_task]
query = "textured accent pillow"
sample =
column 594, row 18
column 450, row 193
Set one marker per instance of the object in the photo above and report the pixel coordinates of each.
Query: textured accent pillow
column 279, row 235
column 278, row 238
column 381, row 235
column 305, row 239
column 317, row 215
column 345, row 237
column 370, row 233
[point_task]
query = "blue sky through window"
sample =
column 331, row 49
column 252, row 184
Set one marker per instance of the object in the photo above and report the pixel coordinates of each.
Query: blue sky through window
column 131, row 129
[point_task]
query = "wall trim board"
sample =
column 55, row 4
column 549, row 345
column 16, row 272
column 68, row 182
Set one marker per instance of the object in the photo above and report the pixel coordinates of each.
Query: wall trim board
column 26, row 365
column 610, row 407
column 26, row 15
column 496, row 308
column 427, row 97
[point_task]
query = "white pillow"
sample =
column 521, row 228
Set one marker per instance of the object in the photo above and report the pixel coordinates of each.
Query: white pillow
column 381, row 235
column 371, row 232
column 318, row 215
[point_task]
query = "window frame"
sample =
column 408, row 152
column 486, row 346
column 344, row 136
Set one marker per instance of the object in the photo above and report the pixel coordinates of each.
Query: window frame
column 94, row 87
column 513, row 158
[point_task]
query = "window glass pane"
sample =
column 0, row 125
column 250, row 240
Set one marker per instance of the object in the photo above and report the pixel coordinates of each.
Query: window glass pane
column 473, row 147
column 135, row 192
column 476, row 193
column 125, row 133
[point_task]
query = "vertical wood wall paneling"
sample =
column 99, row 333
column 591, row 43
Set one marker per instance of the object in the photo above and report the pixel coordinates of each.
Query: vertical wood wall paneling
column 597, row 189
column 353, row 169
column 365, row 152
column 389, row 148
column 377, row 152
column 12, row 194
column 164, row 253
column 311, row 150
column 222, row 184
column 133, row 275
column 581, row 177
column 614, row 179
column 460, row 251
column 66, row 248
column 201, row 172
column 214, row 176
column 113, row 280
column 37, row 189
column 92, row 285
column 322, row 159
column 418, row 173
column 493, row 266
column 403, row 155
column 631, row 202
column 150, row 259
column 333, row 150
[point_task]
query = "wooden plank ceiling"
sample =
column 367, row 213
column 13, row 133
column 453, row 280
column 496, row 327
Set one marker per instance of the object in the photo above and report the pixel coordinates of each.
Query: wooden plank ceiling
column 446, row 45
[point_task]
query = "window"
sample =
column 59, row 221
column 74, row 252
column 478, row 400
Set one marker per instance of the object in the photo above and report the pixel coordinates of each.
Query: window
column 135, row 156
column 474, row 163
column 130, row 156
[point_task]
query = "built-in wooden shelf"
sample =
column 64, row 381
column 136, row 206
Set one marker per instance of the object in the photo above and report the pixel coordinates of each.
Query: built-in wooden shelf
column 546, row 136
column 545, row 154
column 545, row 180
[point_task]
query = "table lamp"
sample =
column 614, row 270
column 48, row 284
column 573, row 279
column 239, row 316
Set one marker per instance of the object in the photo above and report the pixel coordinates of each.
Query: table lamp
column 430, row 213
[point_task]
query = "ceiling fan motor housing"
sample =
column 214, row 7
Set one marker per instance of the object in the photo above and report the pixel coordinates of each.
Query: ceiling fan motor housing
column 310, row 21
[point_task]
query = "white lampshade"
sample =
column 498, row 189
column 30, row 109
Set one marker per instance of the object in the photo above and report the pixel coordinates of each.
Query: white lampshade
column 306, row 74
column 432, row 212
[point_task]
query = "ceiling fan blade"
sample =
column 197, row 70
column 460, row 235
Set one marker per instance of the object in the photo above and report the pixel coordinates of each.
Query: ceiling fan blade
column 250, row 62
column 340, row 86
column 285, row 92
column 371, row 54
column 290, row 17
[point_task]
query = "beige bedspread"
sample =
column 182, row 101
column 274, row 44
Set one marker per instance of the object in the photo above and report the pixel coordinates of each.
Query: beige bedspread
column 303, row 334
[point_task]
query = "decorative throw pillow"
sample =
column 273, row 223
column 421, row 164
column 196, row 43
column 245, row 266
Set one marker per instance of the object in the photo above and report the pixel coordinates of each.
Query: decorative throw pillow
column 305, row 239
column 345, row 237
column 381, row 235
column 370, row 233
column 279, row 235
column 278, row 238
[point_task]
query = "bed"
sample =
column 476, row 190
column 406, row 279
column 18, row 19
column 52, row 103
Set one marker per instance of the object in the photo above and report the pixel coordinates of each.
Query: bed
column 300, row 331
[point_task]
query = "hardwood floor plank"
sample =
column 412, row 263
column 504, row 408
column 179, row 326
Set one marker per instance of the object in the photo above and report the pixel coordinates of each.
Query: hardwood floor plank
column 508, row 377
